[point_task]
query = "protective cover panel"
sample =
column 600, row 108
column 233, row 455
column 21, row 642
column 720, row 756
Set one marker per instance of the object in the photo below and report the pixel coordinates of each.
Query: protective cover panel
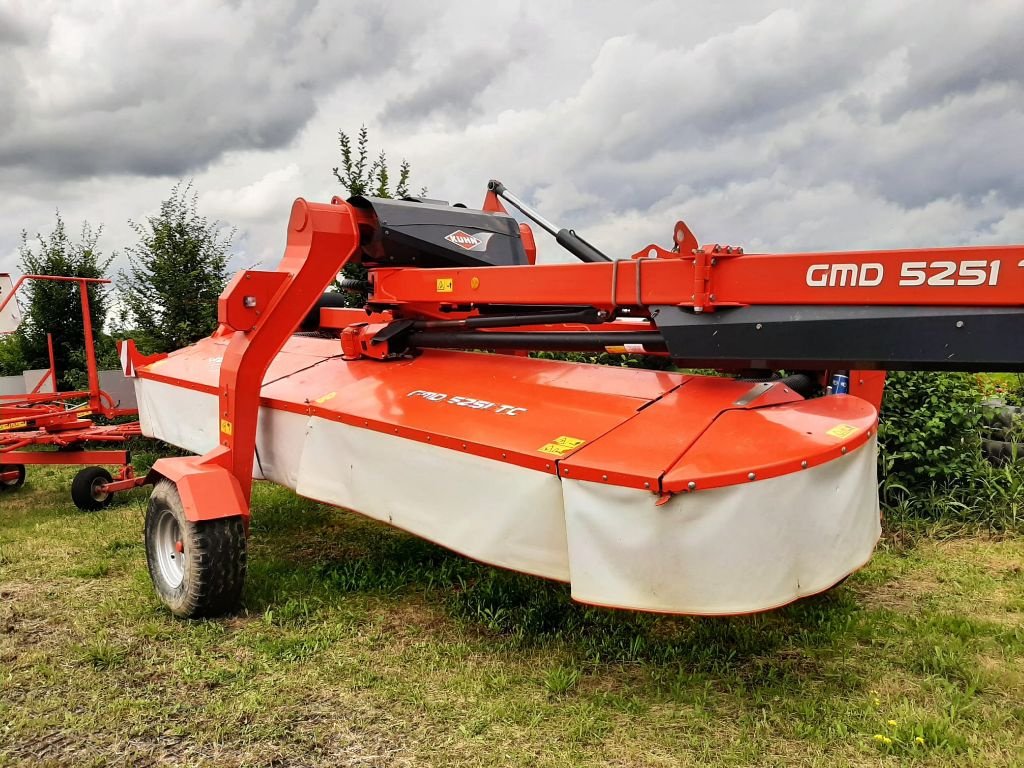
column 729, row 550
column 498, row 513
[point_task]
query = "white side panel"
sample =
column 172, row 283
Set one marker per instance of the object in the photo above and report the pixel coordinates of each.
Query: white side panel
column 279, row 444
column 182, row 417
column 730, row 550
column 188, row 419
column 491, row 511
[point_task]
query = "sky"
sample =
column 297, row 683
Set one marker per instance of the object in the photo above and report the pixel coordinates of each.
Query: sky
column 775, row 126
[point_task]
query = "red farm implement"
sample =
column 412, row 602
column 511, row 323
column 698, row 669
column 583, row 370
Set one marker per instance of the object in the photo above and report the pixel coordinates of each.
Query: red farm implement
column 57, row 428
column 651, row 490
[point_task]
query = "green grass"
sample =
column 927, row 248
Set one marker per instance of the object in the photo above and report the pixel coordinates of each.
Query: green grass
column 360, row 645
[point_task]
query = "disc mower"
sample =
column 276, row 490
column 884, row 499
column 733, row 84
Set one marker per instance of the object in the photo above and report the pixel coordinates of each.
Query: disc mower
column 656, row 490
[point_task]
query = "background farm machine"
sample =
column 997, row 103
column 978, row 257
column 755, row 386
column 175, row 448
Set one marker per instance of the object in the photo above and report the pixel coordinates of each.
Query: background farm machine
column 43, row 426
column 652, row 490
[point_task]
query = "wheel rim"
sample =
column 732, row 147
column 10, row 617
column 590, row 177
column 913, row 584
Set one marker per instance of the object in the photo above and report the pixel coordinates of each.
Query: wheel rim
column 170, row 549
column 97, row 494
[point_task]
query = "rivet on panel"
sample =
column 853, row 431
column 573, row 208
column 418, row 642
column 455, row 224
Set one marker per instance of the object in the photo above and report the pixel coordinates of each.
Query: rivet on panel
column 691, row 485
column 844, row 449
column 604, row 477
column 463, row 446
column 752, row 476
column 504, row 456
column 803, row 464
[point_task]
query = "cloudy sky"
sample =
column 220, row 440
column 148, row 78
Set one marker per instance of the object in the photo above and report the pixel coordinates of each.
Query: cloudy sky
column 778, row 126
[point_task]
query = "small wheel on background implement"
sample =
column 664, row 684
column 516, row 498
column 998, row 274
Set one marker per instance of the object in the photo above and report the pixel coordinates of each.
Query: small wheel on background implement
column 10, row 485
column 198, row 568
column 87, row 489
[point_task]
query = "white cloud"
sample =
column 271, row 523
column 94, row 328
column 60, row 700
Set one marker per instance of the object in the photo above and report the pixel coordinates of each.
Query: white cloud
column 808, row 126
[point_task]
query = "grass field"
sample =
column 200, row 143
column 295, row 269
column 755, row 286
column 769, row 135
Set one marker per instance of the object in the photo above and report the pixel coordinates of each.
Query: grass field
column 359, row 645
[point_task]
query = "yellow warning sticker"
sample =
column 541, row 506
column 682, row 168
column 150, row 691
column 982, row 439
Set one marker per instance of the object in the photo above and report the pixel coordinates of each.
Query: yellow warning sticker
column 561, row 445
column 841, row 430
column 13, row 425
column 225, row 426
column 445, row 285
column 324, row 398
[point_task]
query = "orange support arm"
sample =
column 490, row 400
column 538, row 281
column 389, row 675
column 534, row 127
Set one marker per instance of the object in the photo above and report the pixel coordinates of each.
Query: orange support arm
column 258, row 312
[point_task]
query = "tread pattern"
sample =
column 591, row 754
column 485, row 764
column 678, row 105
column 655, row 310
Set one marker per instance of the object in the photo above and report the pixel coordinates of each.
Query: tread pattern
column 217, row 559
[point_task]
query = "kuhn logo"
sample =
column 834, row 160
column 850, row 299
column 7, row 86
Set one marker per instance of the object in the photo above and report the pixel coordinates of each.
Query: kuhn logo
column 463, row 240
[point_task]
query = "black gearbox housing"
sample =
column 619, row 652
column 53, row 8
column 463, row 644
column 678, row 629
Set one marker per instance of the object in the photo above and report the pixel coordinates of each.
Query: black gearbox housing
column 417, row 233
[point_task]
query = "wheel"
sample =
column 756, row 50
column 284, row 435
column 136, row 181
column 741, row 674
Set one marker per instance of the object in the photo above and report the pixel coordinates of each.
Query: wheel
column 198, row 569
column 86, row 489
column 10, row 485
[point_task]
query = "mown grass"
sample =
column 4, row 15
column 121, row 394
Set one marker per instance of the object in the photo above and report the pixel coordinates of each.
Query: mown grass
column 360, row 645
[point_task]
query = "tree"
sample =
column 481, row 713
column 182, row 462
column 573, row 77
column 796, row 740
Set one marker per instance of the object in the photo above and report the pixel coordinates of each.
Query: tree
column 175, row 274
column 359, row 176
column 56, row 307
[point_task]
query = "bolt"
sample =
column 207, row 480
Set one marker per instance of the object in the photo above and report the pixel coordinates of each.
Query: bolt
column 249, row 302
column 463, row 445
column 803, row 464
column 752, row 476
column 647, row 486
column 691, row 485
column 712, row 297
column 604, row 477
column 717, row 249
column 728, row 249
column 713, row 262
column 565, row 471
column 758, row 327
column 547, row 466
column 843, row 450
column 959, row 323
column 504, row 456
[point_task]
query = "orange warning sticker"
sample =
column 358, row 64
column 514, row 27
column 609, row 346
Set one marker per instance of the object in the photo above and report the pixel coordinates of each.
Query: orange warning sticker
column 841, row 430
column 561, row 446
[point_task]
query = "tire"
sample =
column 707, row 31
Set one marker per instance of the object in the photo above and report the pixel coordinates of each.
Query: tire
column 85, row 489
column 198, row 569
column 11, row 485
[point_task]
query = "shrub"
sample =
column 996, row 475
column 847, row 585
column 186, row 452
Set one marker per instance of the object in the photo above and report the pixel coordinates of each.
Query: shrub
column 930, row 429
